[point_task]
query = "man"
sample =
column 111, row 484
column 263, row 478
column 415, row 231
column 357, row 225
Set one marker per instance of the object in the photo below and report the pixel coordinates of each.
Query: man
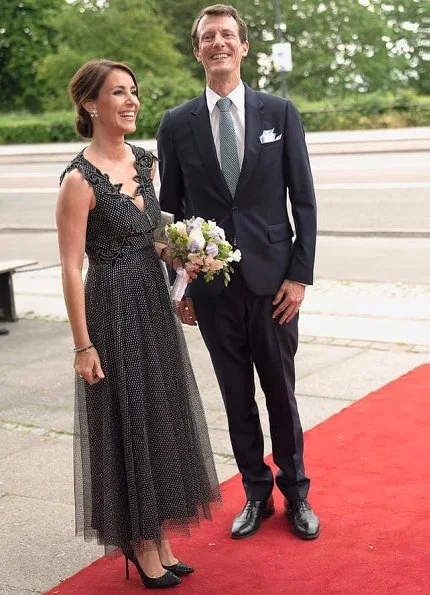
column 232, row 160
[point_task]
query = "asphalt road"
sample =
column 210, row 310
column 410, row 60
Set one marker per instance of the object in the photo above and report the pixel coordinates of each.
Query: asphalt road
column 379, row 193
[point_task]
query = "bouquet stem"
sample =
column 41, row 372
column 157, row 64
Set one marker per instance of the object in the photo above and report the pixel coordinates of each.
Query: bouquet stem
column 180, row 284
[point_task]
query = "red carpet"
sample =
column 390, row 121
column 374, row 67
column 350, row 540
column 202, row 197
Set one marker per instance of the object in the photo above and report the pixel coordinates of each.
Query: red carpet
column 371, row 488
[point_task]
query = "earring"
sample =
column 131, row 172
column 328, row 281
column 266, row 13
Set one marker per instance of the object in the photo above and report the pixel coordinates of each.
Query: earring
column 94, row 113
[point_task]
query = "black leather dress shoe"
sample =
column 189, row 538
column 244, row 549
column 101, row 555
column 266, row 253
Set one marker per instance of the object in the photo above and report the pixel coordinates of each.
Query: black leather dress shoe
column 248, row 521
column 4, row 331
column 304, row 522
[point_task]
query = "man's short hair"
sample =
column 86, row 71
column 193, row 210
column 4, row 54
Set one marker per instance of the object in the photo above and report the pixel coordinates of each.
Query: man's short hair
column 219, row 9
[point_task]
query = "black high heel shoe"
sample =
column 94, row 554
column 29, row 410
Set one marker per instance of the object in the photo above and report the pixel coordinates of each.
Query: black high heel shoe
column 168, row 579
column 180, row 569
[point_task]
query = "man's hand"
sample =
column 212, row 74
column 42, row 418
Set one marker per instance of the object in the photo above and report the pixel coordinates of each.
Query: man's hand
column 288, row 300
column 185, row 310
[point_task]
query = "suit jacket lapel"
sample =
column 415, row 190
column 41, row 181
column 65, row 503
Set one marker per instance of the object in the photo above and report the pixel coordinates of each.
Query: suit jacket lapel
column 202, row 130
column 253, row 129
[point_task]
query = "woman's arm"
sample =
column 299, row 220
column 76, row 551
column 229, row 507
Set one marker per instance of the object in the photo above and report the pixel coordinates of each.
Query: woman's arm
column 162, row 250
column 75, row 201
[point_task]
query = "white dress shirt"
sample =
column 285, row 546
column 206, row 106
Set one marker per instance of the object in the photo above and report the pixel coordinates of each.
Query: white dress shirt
column 237, row 111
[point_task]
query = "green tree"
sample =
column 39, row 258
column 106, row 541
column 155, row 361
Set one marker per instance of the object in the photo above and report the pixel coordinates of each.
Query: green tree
column 126, row 30
column 26, row 36
column 339, row 46
column 409, row 36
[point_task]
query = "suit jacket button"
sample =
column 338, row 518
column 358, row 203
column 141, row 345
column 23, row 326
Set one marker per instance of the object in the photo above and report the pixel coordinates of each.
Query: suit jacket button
column 235, row 209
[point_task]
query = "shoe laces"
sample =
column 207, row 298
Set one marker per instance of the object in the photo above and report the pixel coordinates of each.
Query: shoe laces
column 300, row 505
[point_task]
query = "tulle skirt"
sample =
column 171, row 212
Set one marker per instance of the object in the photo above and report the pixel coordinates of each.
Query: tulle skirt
column 142, row 457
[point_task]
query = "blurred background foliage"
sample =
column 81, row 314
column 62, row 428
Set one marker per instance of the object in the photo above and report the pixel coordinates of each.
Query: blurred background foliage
column 370, row 57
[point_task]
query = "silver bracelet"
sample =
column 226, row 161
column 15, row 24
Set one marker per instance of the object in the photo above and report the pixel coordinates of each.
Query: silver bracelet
column 82, row 349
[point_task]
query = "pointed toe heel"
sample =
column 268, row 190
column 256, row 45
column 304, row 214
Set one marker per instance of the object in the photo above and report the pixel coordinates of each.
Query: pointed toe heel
column 168, row 579
column 179, row 569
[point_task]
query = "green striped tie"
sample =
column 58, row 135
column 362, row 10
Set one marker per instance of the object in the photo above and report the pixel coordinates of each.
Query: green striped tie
column 228, row 146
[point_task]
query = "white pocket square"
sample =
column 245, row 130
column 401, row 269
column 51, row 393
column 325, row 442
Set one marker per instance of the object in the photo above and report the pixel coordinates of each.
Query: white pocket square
column 269, row 136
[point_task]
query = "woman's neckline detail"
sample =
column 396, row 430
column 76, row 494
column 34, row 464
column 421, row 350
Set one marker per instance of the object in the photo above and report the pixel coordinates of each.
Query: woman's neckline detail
column 117, row 186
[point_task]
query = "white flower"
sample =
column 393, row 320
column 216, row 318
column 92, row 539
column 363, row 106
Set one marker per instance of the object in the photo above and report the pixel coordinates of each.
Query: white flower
column 235, row 256
column 196, row 240
column 212, row 249
column 180, row 226
column 217, row 233
column 198, row 221
column 195, row 223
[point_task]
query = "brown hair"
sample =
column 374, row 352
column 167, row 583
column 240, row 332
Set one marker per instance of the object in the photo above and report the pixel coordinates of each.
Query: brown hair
column 219, row 9
column 86, row 85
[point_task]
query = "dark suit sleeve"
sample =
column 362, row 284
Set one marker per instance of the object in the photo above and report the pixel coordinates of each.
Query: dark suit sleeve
column 302, row 198
column 172, row 183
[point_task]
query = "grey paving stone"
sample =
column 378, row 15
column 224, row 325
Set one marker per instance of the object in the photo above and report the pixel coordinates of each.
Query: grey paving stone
column 314, row 410
column 25, row 395
column 211, row 395
column 9, row 590
column 306, row 339
column 216, row 419
column 56, row 418
column 45, row 374
column 13, row 441
column 41, row 471
column 356, row 377
column 313, row 357
column 421, row 349
column 39, row 339
column 220, row 441
column 226, row 470
column 41, row 546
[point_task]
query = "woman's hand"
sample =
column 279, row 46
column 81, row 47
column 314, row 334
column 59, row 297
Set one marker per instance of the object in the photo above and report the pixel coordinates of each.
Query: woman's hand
column 164, row 253
column 175, row 263
column 192, row 271
column 87, row 365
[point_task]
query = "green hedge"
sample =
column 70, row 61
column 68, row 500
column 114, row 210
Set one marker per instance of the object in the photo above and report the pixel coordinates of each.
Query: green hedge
column 51, row 128
column 367, row 112
column 56, row 127
column 357, row 113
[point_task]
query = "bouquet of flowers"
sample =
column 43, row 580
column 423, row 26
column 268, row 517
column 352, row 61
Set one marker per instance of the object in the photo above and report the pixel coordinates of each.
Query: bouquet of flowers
column 201, row 247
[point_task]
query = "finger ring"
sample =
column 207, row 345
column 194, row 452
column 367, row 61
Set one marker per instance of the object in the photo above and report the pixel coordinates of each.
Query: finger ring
column 80, row 376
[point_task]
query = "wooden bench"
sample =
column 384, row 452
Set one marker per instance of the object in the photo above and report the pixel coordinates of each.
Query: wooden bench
column 7, row 301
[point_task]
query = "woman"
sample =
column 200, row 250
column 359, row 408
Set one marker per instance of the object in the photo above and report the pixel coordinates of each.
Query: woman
column 143, row 463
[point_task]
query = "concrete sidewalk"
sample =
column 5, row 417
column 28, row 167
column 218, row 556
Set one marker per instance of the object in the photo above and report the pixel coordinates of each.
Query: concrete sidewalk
column 345, row 311
column 356, row 337
column 337, row 142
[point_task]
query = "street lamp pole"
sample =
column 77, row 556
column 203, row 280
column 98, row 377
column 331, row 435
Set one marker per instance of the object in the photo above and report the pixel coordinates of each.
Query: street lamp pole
column 283, row 74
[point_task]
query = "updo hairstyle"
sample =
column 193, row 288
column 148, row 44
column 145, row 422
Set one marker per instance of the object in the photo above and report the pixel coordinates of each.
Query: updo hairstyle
column 85, row 86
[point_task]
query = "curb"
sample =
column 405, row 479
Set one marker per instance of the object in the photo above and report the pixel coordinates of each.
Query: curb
column 335, row 233
column 375, row 233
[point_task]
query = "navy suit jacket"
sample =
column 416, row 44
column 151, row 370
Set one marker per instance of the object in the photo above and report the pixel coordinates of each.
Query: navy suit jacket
column 192, row 183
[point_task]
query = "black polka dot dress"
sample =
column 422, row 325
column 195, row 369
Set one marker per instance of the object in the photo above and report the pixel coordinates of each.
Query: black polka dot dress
column 143, row 461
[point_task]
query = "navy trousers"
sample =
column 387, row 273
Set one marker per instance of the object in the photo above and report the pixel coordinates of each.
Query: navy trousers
column 239, row 332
